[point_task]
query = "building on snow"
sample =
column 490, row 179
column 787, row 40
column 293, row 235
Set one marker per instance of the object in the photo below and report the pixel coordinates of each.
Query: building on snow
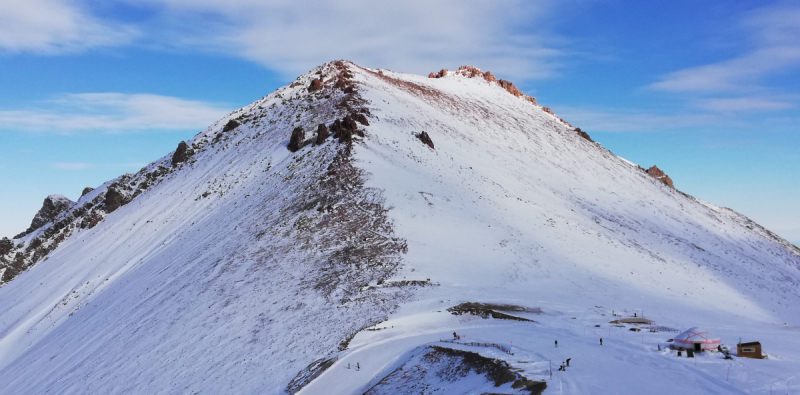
column 749, row 350
column 696, row 339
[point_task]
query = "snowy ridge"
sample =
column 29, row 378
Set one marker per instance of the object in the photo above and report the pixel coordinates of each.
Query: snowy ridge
column 235, row 270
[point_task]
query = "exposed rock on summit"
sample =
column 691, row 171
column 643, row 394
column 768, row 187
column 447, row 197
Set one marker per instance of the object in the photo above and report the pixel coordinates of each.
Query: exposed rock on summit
column 658, row 174
column 473, row 72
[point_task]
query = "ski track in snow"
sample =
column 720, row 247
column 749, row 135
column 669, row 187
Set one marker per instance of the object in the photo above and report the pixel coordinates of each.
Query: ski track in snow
column 180, row 293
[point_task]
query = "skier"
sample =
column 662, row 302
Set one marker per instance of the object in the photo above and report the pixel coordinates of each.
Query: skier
column 601, row 341
column 568, row 361
column 455, row 336
column 556, row 343
column 659, row 347
column 358, row 366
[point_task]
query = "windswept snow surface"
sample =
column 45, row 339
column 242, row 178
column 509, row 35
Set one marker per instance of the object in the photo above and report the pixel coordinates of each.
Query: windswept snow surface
column 231, row 276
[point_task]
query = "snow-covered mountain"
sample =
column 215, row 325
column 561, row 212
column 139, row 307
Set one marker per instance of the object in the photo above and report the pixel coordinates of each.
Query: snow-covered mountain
column 405, row 208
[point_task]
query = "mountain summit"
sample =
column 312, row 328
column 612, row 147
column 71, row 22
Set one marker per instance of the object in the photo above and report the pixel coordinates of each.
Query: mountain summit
column 325, row 238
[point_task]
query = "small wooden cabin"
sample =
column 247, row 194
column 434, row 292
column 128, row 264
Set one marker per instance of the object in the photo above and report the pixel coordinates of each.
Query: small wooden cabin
column 749, row 350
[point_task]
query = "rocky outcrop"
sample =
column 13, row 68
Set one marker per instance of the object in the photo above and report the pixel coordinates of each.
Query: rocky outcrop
column 345, row 128
column 296, row 140
column 362, row 119
column 322, row 134
column 659, row 174
column 182, row 153
column 509, row 87
column 114, row 199
column 474, row 72
column 583, row 134
column 426, row 139
column 53, row 206
column 232, row 124
column 441, row 73
column 86, row 190
column 316, row 85
column 6, row 245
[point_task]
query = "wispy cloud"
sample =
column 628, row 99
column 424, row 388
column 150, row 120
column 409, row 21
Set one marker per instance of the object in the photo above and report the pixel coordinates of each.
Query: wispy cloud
column 742, row 104
column 112, row 112
column 292, row 36
column 56, row 26
column 774, row 46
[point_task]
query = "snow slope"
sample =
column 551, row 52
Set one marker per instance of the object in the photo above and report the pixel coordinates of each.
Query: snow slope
column 247, row 267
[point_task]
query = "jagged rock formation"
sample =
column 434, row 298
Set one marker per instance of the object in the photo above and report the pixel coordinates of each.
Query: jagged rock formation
column 86, row 190
column 426, row 139
column 322, row 134
column 583, row 134
column 52, row 206
column 658, row 174
column 182, row 153
column 296, row 139
column 473, row 72
column 316, row 85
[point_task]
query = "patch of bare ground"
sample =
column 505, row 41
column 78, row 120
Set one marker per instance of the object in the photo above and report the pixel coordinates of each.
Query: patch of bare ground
column 448, row 366
column 486, row 310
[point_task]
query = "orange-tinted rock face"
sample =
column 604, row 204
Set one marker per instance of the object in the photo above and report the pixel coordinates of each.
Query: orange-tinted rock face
column 316, row 85
column 583, row 134
column 510, row 88
column 441, row 73
column 658, row 174
column 474, row 72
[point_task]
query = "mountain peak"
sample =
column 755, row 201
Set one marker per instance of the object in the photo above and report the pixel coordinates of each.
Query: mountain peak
column 304, row 254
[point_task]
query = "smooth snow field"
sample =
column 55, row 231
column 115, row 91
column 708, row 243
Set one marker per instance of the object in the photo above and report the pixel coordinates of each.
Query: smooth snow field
column 249, row 266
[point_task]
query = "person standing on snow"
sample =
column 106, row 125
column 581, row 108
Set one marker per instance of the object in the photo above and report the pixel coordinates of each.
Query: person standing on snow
column 568, row 361
column 556, row 343
column 601, row 341
column 455, row 336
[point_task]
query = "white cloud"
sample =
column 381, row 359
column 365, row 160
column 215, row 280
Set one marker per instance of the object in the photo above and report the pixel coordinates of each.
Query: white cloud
column 419, row 36
column 774, row 41
column 55, row 26
column 750, row 104
column 113, row 112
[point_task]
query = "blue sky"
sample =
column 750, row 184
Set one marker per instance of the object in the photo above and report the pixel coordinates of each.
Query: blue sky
column 708, row 91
